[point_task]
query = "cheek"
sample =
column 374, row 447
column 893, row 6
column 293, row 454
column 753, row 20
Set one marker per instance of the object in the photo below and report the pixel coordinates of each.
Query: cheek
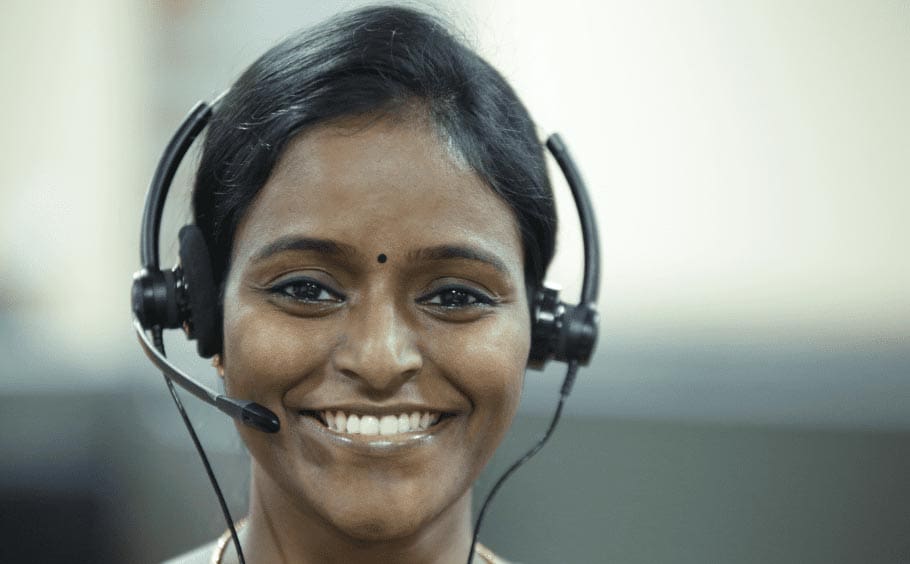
column 489, row 365
column 497, row 367
column 266, row 353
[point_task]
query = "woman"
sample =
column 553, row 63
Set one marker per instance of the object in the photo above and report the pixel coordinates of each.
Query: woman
column 378, row 209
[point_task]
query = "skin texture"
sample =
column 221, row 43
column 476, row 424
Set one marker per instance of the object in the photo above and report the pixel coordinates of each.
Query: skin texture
column 318, row 327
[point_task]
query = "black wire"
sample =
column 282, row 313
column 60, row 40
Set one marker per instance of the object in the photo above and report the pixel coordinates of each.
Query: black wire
column 563, row 394
column 159, row 344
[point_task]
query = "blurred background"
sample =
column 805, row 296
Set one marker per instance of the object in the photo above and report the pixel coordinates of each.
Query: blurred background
column 750, row 398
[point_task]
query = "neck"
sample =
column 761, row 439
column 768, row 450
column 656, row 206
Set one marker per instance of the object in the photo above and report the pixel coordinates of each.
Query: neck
column 280, row 532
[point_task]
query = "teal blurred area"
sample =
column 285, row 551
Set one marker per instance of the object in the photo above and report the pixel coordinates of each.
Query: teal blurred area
column 750, row 398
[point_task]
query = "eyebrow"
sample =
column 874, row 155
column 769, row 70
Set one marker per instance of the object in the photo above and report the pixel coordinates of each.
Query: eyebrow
column 449, row 252
column 290, row 243
column 329, row 247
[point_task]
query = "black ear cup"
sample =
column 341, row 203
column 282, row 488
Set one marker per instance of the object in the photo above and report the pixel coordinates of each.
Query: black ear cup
column 560, row 331
column 154, row 299
column 203, row 321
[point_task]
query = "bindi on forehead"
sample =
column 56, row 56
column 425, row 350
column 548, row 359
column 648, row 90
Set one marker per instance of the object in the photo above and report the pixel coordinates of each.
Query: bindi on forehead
column 381, row 258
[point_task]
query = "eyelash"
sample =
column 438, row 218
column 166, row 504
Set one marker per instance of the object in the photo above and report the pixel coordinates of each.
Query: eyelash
column 284, row 290
column 470, row 297
column 479, row 298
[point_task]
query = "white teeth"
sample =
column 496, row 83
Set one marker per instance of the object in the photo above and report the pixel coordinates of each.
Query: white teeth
column 341, row 421
column 354, row 424
column 388, row 425
column 369, row 425
column 404, row 423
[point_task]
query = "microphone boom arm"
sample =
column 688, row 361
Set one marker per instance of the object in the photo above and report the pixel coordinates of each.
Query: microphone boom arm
column 249, row 413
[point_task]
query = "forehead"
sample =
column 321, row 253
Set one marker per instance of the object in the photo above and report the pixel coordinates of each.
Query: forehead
column 379, row 185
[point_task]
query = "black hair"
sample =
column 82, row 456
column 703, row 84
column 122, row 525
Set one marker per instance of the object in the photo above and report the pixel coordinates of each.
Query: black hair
column 376, row 59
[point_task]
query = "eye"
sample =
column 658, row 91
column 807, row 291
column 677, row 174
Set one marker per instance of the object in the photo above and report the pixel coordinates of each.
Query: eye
column 455, row 297
column 305, row 290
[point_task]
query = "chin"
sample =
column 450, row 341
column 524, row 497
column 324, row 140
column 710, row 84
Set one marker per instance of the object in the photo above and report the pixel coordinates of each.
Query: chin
column 371, row 531
column 385, row 518
column 372, row 525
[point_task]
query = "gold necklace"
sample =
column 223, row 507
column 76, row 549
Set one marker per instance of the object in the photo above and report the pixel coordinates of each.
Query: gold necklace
column 221, row 546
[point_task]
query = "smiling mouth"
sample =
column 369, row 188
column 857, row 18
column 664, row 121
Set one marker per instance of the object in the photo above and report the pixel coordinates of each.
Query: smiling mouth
column 349, row 423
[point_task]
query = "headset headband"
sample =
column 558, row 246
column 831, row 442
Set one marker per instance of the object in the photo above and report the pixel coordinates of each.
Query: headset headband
column 162, row 299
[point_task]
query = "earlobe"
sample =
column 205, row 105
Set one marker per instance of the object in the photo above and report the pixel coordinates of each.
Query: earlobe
column 216, row 362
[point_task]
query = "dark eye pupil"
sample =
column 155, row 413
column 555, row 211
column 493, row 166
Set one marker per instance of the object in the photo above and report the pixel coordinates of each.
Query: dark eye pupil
column 454, row 298
column 304, row 290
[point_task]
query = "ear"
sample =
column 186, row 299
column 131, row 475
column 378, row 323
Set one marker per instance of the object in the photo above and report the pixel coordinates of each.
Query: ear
column 216, row 362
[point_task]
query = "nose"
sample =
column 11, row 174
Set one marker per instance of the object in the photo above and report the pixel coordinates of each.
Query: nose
column 378, row 347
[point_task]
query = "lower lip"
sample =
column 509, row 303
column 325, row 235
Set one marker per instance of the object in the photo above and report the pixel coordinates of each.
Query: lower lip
column 376, row 445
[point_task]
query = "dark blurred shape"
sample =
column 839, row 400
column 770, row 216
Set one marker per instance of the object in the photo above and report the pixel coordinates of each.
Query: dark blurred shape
column 49, row 527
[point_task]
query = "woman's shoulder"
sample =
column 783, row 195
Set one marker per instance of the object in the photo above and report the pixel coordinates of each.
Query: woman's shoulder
column 201, row 555
column 488, row 556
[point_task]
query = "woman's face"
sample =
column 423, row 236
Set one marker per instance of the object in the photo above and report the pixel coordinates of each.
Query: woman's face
column 375, row 278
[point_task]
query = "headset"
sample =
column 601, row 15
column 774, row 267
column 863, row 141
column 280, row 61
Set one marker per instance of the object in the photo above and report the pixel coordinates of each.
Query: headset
column 186, row 297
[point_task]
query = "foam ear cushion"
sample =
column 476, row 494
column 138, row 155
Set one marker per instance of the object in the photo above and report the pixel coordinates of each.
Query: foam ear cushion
column 202, row 297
